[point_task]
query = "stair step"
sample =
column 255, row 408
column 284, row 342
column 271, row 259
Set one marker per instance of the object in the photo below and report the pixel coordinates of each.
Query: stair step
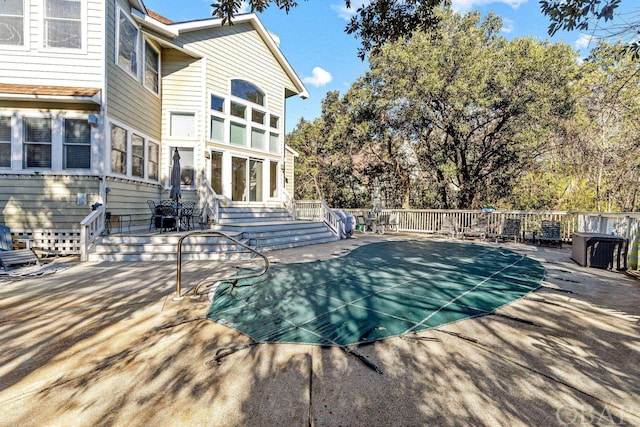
column 262, row 228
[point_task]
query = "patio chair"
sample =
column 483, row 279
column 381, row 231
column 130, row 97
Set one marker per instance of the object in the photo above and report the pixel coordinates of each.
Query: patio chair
column 550, row 233
column 510, row 229
column 166, row 216
column 10, row 256
column 186, row 215
column 478, row 228
column 155, row 214
column 449, row 227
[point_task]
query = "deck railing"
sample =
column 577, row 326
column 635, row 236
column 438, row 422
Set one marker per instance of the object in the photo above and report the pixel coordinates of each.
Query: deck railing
column 317, row 210
column 431, row 220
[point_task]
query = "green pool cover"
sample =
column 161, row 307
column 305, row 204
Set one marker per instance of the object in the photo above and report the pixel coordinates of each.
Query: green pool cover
column 377, row 291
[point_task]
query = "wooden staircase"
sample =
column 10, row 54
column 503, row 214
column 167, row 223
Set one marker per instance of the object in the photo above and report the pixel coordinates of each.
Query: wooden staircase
column 261, row 228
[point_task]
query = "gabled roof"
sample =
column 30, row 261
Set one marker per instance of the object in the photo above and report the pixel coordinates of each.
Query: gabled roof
column 167, row 28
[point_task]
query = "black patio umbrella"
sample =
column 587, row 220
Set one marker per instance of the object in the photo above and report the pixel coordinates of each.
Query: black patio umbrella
column 176, row 193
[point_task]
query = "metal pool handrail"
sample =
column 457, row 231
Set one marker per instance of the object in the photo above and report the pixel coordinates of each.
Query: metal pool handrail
column 219, row 234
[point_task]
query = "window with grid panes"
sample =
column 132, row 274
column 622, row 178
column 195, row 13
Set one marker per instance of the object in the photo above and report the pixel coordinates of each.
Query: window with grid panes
column 127, row 43
column 37, row 142
column 151, row 68
column 63, row 24
column 12, row 22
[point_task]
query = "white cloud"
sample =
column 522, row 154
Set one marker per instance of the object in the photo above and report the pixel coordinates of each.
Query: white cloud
column 462, row 6
column 345, row 13
column 507, row 25
column 583, row 41
column 245, row 7
column 320, row 77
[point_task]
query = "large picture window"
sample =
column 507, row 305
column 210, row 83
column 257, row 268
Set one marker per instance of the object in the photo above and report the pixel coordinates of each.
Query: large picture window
column 118, row 150
column 12, row 22
column 127, row 43
column 5, row 142
column 151, row 68
column 63, row 24
column 77, row 144
column 37, row 142
column 242, row 119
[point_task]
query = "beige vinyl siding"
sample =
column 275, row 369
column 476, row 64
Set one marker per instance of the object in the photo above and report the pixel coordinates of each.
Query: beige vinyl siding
column 181, row 87
column 127, row 100
column 238, row 52
column 38, row 66
column 130, row 198
column 45, row 202
column 289, row 166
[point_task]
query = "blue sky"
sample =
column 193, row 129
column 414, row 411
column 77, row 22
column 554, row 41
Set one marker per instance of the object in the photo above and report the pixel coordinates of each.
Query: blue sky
column 312, row 38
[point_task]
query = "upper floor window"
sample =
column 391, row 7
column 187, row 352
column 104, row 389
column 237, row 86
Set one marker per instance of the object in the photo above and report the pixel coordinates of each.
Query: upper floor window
column 248, row 91
column 12, row 22
column 243, row 123
column 151, row 67
column 182, row 125
column 127, row 43
column 5, row 142
column 63, row 24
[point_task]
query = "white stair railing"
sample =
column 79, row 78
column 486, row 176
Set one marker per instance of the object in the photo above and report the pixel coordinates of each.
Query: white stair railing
column 210, row 198
column 91, row 228
column 318, row 210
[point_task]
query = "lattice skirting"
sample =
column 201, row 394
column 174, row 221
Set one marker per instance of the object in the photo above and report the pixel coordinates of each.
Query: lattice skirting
column 59, row 242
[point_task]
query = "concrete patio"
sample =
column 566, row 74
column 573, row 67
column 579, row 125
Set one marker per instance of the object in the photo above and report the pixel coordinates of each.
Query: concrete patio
column 105, row 344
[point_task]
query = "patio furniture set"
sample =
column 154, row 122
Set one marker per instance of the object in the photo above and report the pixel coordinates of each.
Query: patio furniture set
column 171, row 215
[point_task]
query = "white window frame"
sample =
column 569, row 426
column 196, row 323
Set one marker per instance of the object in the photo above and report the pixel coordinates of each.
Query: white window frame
column 182, row 164
column 147, row 142
column 26, row 143
column 9, row 142
column 150, row 161
column 127, row 150
column 25, row 30
column 65, row 144
column 170, row 131
column 143, row 157
column 247, row 121
column 83, row 30
column 120, row 11
column 147, row 44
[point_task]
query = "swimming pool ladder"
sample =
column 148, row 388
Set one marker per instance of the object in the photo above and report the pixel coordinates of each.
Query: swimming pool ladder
column 211, row 233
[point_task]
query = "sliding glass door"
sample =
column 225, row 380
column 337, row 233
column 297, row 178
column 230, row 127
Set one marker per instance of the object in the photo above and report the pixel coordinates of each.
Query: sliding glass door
column 246, row 180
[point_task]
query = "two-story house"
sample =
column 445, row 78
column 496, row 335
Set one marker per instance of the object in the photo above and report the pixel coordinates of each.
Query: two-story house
column 96, row 95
